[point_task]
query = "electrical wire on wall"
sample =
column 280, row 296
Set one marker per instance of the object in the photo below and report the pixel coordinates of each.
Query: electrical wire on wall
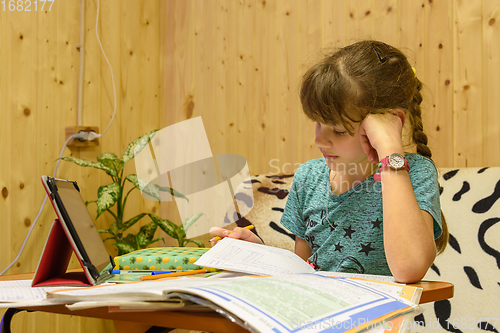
column 81, row 135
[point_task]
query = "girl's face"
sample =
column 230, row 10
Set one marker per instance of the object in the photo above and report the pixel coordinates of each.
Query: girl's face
column 342, row 151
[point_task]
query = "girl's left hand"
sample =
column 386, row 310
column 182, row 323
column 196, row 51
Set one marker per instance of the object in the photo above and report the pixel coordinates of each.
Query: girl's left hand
column 381, row 134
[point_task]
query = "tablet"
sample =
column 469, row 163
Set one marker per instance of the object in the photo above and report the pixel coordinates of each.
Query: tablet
column 79, row 227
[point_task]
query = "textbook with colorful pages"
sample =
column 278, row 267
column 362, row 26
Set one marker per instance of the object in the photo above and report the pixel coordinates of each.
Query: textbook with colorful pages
column 287, row 301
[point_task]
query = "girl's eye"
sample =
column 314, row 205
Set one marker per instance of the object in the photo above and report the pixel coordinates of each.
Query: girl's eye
column 341, row 133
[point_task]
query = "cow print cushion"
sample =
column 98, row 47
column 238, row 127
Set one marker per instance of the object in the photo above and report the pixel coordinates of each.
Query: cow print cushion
column 471, row 205
column 265, row 209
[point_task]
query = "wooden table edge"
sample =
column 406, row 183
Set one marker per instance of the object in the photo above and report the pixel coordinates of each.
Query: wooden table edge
column 433, row 291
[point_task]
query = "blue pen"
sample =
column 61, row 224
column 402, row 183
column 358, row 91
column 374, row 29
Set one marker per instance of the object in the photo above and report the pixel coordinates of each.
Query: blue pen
column 164, row 272
column 140, row 272
column 116, row 271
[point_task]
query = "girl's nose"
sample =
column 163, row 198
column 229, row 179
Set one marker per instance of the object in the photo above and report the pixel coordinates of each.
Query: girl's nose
column 323, row 140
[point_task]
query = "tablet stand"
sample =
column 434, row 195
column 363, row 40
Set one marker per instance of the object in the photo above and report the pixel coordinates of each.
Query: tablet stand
column 51, row 270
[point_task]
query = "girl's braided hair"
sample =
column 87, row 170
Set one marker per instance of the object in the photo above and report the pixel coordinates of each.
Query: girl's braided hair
column 365, row 78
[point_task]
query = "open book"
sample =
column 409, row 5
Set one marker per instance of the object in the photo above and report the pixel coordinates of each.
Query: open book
column 300, row 301
column 239, row 256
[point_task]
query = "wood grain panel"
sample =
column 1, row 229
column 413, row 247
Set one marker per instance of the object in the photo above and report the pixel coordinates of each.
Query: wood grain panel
column 385, row 21
column 309, row 36
column 359, row 22
column 259, row 65
column 288, row 80
column 467, row 84
column 5, row 139
column 22, row 109
column 491, row 82
column 411, row 33
column 333, row 23
column 438, row 88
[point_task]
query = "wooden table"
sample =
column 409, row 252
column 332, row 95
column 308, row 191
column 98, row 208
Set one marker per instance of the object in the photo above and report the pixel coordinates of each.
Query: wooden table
column 202, row 321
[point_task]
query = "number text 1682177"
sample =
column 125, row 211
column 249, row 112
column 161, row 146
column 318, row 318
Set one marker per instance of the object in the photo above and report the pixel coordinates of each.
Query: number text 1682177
column 26, row 5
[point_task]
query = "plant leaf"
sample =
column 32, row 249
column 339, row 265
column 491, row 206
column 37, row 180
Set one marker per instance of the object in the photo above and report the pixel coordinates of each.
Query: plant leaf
column 172, row 191
column 103, row 231
column 89, row 202
column 168, row 226
column 197, row 242
column 124, row 248
column 85, row 163
column 113, row 229
column 111, row 161
column 107, row 196
column 130, row 239
column 143, row 186
column 191, row 220
column 133, row 221
column 137, row 145
column 155, row 240
column 181, row 234
column 145, row 234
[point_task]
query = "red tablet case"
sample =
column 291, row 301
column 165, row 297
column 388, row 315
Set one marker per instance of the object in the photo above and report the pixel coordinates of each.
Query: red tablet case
column 54, row 261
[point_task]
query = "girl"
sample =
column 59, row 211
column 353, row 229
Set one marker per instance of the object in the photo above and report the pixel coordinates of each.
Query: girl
column 367, row 206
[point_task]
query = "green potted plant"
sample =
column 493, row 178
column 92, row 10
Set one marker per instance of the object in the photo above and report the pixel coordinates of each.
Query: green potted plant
column 115, row 195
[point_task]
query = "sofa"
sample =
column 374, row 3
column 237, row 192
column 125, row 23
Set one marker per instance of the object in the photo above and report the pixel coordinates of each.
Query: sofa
column 471, row 261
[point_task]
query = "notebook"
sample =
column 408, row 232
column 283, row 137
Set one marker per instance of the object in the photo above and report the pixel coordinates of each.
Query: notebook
column 73, row 231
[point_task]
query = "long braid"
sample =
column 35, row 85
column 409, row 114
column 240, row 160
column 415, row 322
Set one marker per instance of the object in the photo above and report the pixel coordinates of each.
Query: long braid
column 420, row 139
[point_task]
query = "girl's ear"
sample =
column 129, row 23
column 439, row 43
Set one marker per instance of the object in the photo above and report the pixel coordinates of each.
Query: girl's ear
column 402, row 115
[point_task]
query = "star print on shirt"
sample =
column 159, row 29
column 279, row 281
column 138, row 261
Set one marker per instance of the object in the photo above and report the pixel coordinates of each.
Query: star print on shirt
column 366, row 248
column 376, row 223
column 349, row 232
column 338, row 247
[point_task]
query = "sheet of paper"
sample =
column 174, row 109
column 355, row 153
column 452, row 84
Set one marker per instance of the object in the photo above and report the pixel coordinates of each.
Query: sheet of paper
column 141, row 291
column 384, row 278
column 137, row 305
column 240, row 256
column 17, row 293
column 21, row 290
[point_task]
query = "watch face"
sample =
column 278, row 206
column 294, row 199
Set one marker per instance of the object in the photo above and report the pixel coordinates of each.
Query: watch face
column 396, row 161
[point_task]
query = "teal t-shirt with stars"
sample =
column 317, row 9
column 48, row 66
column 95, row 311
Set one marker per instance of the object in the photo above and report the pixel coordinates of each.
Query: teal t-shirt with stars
column 353, row 240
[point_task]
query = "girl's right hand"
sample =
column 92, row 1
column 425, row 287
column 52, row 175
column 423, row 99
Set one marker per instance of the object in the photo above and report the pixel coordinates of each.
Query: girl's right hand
column 237, row 233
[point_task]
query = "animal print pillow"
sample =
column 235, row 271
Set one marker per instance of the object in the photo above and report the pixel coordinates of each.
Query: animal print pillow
column 269, row 198
column 471, row 205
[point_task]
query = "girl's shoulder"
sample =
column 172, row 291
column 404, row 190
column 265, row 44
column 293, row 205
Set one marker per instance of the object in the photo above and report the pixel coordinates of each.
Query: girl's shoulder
column 311, row 169
column 421, row 168
column 419, row 161
column 317, row 164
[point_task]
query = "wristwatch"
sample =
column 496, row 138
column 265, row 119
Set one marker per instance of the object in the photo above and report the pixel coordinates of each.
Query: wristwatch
column 394, row 161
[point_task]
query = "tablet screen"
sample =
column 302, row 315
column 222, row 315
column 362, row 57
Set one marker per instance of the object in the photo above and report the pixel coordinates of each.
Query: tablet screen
column 83, row 224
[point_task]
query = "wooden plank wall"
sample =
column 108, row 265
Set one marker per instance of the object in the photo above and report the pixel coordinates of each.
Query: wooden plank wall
column 235, row 63
column 39, row 70
column 240, row 63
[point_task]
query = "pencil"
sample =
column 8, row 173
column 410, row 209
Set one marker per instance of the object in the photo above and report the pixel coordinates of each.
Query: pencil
column 249, row 227
column 161, row 276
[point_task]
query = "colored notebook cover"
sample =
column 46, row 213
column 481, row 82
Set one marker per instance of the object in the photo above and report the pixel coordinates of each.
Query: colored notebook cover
column 162, row 259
